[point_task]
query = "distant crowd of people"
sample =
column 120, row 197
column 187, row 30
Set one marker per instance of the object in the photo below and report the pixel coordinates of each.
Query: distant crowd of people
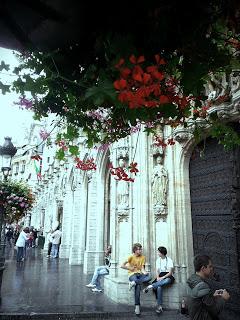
column 28, row 238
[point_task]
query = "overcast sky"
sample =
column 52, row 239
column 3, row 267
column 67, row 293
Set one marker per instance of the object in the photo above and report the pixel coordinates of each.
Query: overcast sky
column 13, row 121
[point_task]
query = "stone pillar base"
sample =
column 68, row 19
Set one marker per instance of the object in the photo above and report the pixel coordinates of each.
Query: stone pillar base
column 117, row 290
column 75, row 256
column 64, row 251
column 91, row 260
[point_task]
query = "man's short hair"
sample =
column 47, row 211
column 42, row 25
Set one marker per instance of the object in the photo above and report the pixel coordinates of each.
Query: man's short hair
column 201, row 261
column 162, row 250
column 136, row 246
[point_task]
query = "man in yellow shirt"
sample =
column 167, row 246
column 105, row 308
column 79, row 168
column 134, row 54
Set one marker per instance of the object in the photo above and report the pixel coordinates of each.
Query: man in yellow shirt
column 135, row 264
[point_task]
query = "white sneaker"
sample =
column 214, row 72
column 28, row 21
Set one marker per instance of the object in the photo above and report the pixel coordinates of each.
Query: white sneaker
column 131, row 285
column 137, row 310
column 159, row 309
column 90, row 285
column 96, row 290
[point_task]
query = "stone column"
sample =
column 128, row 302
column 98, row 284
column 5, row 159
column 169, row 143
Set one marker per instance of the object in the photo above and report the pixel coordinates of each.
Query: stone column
column 78, row 225
column 66, row 224
column 91, row 253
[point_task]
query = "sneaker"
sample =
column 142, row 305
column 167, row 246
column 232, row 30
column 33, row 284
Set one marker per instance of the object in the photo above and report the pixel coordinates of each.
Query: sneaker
column 159, row 309
column 137, row 310
column 90, row 285
column 48, row 256
column 145, row 290
column 131, row 285
column 96, row 290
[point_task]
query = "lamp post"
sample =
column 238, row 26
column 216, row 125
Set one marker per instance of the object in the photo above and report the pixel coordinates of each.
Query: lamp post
column 7, row 151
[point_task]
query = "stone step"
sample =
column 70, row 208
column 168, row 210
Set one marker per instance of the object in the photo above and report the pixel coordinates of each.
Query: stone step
column 167, row 315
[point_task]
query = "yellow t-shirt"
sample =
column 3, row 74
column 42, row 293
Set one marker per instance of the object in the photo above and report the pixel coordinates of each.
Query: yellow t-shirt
column 137, row 262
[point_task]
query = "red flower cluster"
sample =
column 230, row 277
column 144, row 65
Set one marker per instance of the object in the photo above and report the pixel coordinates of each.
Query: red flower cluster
column 62, row 145
column 85, row 165
column 36, row 157
column 121, row 174
column 148, row 86
column 159, row 142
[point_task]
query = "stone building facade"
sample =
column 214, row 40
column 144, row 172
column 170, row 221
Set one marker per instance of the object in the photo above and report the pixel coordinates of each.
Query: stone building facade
column 94, row 209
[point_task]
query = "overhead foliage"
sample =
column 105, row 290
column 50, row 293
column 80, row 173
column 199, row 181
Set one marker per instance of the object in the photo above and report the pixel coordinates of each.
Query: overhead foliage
column 154, row 75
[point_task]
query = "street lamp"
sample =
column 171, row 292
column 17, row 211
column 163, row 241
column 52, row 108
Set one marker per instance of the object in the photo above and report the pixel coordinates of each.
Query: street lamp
column 7, row 151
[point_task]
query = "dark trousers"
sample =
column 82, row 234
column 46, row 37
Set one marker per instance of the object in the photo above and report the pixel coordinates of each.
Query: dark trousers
column 20, row 253
column 49, row 248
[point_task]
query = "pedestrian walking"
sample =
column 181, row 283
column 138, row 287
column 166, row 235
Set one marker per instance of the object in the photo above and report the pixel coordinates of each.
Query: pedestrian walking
column 21, row 243
column 56, row 240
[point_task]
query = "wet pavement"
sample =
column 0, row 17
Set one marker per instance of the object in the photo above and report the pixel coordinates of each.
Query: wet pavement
column 41, row 288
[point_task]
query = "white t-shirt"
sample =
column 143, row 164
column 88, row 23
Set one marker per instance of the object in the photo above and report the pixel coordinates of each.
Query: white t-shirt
column 164, row 265
column 56, row 236
column 22, row 239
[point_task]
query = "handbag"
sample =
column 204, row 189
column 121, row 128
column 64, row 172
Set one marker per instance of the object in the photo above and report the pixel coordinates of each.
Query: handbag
column 162, row 274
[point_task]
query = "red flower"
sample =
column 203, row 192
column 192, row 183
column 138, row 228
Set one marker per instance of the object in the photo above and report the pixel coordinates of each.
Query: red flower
column 36, row 157
column 133, row 167
column 135, row 60
column 120, row 84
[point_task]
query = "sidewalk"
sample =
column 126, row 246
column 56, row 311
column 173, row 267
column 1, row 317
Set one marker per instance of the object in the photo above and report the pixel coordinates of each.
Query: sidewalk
column 41, row 288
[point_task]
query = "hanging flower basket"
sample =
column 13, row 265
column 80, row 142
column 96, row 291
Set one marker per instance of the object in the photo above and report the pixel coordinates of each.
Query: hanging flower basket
column 16, row 198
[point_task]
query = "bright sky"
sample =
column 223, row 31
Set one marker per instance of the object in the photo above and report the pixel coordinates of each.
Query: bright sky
column 13, row 121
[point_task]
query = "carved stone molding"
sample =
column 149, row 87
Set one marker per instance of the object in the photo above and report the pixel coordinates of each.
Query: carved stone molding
column 123, row 216
column 160, row 213
column 182, row 135
column 59, row 203
column 123, row 153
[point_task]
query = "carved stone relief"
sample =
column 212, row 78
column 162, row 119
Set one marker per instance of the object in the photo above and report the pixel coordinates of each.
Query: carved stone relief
column 159, row 183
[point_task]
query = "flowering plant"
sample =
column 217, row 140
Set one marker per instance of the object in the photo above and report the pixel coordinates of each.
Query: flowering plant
column 112, row 88
column 16, row 198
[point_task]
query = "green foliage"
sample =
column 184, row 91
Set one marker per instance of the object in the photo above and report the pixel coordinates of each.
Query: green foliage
column 79, row 87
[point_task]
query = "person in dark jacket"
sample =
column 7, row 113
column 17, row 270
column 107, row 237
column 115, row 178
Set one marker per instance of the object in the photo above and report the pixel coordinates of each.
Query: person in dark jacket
column 204, row 303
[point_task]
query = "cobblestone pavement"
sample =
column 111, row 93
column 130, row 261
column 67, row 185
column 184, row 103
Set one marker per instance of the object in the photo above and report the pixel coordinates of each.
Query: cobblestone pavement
column 41, row 288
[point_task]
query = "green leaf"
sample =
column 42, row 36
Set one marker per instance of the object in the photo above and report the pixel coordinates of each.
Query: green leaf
column 74, row 150
column 5, row 88
column 3, row 66
column 60, row 154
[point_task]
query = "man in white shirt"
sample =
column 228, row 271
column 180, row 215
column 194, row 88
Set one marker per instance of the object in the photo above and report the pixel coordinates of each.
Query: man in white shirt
column 56, row 239
column 164, row 276
column 21, row 242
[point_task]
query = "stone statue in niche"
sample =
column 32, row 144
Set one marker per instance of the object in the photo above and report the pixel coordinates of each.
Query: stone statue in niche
column 159, row 184
column 122, row 189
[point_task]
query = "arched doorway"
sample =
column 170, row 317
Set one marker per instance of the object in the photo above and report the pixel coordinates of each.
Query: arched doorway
column 215, row 198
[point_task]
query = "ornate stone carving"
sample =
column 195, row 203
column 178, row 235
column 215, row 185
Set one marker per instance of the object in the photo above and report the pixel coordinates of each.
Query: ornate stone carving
column 159, row 187
column 160, row 214
column 182, row 135
column 157, row 150
column 235, row 82
column 216, row 87
column 123, row 216
column 122, row 190
column 59, row 203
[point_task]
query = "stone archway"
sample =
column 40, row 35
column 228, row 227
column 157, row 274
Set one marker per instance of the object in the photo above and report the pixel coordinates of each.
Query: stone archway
column 215, row 197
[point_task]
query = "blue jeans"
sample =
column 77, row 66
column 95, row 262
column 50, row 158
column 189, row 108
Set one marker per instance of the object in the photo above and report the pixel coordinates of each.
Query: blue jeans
column 20, row 253
column 158, row 286
column 98, row 273
column 55, row 250
column 139, row 279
